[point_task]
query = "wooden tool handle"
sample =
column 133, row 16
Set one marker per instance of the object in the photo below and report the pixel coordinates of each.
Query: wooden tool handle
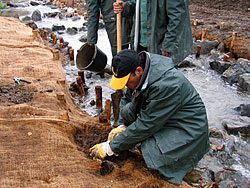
column 119, row 32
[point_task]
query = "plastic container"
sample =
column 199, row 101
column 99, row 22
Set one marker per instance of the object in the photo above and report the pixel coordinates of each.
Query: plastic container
column 90, row 58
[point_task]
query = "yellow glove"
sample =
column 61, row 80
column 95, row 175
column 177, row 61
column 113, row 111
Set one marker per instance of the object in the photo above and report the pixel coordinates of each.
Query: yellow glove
column 100, row 151
column 116, row 131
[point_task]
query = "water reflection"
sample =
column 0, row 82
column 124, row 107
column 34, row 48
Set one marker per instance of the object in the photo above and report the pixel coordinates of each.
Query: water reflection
column 219, row 97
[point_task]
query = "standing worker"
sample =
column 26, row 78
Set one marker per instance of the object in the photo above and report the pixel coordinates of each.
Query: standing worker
column 105, row 7
column 160, row 27
column 161, row 110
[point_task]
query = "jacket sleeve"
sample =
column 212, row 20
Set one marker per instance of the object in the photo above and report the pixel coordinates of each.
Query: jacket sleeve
column 162, row 102
column 176, row 15
column 124, row 100
column 93, row 8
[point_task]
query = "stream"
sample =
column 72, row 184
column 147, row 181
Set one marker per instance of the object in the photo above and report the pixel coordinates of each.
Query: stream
column 231, row 164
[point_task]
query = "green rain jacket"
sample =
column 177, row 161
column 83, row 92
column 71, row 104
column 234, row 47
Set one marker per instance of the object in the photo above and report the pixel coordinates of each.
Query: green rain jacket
column 109, row 17
column 171, row 122
column 168, row 27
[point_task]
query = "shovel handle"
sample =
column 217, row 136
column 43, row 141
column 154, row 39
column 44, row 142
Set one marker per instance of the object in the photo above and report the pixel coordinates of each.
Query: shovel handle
column 119, row 32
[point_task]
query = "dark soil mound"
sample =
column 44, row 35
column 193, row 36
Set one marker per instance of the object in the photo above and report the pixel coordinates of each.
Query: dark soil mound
column 15, row 94
column 241, row 5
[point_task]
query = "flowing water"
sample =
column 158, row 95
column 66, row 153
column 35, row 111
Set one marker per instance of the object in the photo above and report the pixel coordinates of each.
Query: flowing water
column 219, row 97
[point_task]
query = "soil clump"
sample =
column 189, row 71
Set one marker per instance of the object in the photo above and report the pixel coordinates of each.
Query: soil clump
column 14, row 94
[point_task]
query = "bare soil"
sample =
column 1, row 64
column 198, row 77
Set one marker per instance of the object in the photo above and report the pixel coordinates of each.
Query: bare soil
column 15, row 94
column 211, row 13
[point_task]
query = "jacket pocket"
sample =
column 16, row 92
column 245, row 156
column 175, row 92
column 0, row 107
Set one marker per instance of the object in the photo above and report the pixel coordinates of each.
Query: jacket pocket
column 109, row 18
column 171, row 140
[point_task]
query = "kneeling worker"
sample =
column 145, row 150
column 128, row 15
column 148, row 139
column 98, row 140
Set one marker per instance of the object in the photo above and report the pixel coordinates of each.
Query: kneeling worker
column 162, row 111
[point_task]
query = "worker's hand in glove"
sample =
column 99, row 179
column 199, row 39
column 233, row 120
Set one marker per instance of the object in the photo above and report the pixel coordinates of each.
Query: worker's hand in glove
column 100, row 151
column 116, row 131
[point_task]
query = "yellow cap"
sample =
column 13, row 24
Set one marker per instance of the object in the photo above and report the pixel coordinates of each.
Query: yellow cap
column 119, row 83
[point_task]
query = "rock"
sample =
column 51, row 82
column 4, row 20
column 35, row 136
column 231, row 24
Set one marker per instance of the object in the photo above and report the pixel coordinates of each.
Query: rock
column 216, row 144
column 215, row 54
column 47, row 2
column 219, row 66
column 185, row 63
column 74, row 88
column 88, row 74
column 36, row 16
column 13, row 12
column 83, row 38
column 245, row 64
column 216, row 133
column 244, row 110
column 244, row 82
column 60, row 32
column 72, row 30
column 34, row 3
column 16, row 16
column 57, row 46
column 26, row 18
column 86, row 88
column 51, row 14
column 64, row 51
column 58, row 27
column 65, row 43
column 85, row 24
column 49, row 30
column 92, row 103
column 231, row 75
column 193, row 177
column 211, row 164
column 61, row 15
column 54, row 6
column 206, row 46
column 221, row 47
column 69, row 15
column 83, row 28
column 237, row 124
column 31, row 24
column 18, row 3
column 75, row 18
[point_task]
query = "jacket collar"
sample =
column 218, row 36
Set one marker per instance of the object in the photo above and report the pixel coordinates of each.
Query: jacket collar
column 144, row 79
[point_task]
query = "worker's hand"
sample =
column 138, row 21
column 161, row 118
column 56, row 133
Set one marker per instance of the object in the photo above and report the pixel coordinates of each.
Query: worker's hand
column 100, row 151
column 116, row 131
column 165, row 53
column 118, row 7
column 90, row 44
